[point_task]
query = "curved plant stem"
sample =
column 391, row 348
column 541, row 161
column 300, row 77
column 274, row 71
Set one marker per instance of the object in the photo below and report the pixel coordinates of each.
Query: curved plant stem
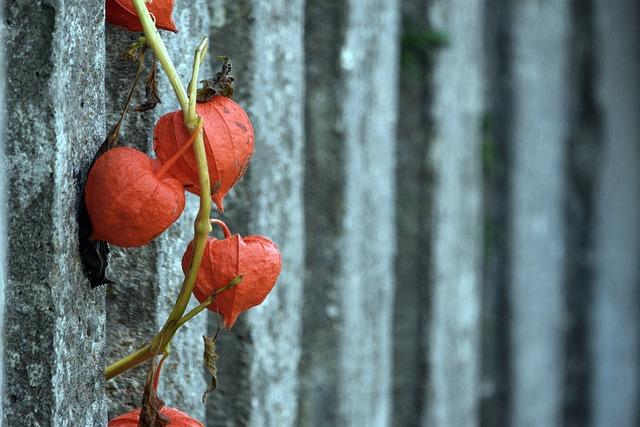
column 155, row 42
column 160, row 342
column 202, row 226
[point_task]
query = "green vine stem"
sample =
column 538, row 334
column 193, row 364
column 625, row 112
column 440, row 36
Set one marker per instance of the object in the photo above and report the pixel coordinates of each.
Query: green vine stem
column 207, row 302
column 160, row 342
column 154, row 41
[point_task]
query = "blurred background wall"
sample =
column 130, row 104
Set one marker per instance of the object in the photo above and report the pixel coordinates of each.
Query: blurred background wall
column 453, row 185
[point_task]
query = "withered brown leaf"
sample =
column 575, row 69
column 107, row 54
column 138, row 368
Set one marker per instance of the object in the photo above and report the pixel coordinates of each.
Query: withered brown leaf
column 150, row 415
column 210, row 357
column 151, row 90
column 220, row 84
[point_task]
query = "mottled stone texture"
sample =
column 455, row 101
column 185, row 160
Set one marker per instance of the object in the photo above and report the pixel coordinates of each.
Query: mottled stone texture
column 365, row 285
column 53, row 324
column 259, row 357
column 148, row 279
column 615, row 343
column 539, row 57
column 457, row 109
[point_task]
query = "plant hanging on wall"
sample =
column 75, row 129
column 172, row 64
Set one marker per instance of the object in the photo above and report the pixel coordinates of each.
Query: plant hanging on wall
column 131, row 198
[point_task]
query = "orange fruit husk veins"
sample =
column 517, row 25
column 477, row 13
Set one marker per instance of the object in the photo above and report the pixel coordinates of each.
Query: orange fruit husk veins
column 177, row 417
column 255, row 258
column 123, row 14
column 128, row 203
column 228, row 138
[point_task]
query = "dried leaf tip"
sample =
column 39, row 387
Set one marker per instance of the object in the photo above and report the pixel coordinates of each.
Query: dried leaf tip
column 220, row 84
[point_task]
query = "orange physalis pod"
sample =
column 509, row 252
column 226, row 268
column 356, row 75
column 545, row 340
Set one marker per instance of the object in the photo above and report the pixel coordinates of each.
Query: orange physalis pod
column 255, row 258
column 123, row 14
column 228, row 138
column 128, row 202
column 177, row 417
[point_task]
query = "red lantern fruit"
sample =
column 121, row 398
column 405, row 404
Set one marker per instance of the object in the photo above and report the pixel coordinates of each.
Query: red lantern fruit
column 123, row 14
column 128, row 200
column 178, row 419
column 228, row 138
column 255, row 258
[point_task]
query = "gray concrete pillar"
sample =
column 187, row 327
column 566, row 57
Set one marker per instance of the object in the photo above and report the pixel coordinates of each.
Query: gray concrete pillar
column 148, row 279
column 539, row 58
column 616, row 342
column 349, row 200
column 258, row 365
column 53, row 322
column 457, row 109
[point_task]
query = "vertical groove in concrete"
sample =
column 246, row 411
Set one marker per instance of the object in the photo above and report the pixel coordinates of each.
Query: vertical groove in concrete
column 324, row 206
column 540, row 131
column 53, row 322
column 615, row 343
column 413, row 200
column 583, row 165
column 259, row 357
column 495, row 313
column 457, row 109
column 149, row 278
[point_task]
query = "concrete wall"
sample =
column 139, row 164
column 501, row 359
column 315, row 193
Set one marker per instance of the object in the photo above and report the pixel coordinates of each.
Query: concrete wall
column 53, row 323
column 259, row 358
column 451, row 183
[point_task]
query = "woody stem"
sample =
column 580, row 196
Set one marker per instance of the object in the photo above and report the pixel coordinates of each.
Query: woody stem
column 160, row 342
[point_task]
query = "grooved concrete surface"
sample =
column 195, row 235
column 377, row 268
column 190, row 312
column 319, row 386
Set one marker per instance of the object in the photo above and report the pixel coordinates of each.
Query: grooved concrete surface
column 319, row 80
column 259, row 358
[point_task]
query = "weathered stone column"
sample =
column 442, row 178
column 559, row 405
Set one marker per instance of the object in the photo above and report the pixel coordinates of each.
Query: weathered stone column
column 616, row 341
column 457, row 108
column 148, row 279
column 352, row 54
column 53, row 323
column 539, row 59
column 259, row 357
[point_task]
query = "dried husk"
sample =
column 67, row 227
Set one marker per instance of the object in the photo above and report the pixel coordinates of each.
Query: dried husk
column 127, row 203
column 255, row 258
column 177, row 419
column 229, row 141
column 122, row 13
